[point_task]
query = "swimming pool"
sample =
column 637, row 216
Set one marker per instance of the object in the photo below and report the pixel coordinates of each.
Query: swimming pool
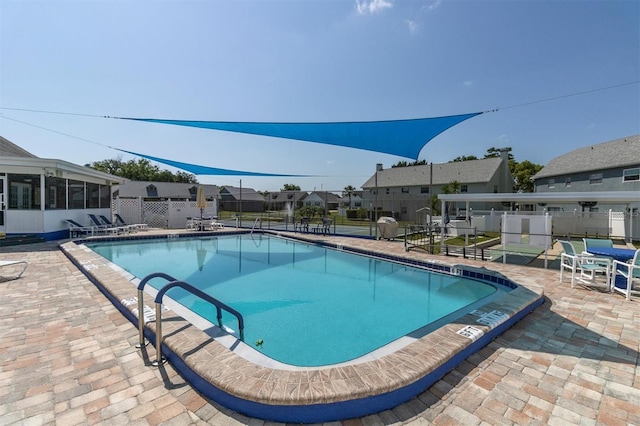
column 306, row 304
column 219, row 368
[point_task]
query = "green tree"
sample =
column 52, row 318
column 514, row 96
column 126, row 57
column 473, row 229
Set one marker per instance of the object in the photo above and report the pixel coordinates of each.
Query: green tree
column 495, row 152
column 464, row 158
column 523, row 173
column 347, row 192
column 140, row 170
column 290, row 187
column 403, row 163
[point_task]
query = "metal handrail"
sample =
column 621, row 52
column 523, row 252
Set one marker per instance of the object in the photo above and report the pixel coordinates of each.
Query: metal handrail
column 197, row 292
column 141, row 285
column 259, row 219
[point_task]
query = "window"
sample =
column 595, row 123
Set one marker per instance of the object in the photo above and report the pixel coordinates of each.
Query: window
column 24, row 192
column 631, row 175
column 424, row 189
column 55, row 196
column 552, row 183
column 495, row 189
column 403, row 210
column 595, row 178
column 152, row 191
column 405, row 190
column 193, row 192
column 387, row 191
column 75, row 194
column 567, row 181
column 464, row 188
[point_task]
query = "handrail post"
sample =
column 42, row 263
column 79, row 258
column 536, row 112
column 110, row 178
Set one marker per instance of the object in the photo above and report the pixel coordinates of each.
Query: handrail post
column 143, row 282
column 141, row 339
column 159, row 359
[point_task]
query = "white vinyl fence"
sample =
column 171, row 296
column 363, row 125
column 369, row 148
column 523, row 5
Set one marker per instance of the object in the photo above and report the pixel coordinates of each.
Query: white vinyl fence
column 167, row 214
column 611, row 224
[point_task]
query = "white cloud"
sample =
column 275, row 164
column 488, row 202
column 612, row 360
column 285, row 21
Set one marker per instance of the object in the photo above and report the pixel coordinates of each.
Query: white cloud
column 413, row 26
column 434, row 5
column 467, row 83
column 372, row 6
column 503, row 138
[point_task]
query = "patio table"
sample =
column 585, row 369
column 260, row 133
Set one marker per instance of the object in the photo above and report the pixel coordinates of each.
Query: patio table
column 619, row 254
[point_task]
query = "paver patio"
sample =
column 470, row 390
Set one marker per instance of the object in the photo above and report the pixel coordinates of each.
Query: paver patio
column 67, row 356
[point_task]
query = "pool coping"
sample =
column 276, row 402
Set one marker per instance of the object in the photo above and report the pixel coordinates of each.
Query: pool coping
column 323, row 394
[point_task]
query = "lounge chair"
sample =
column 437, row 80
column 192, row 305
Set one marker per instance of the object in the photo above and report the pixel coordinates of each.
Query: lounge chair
column 8, row 264
column 106, row 229
column 135, row 226
column 629, row 273
column 124, row 228
column 588, row 266
column 77, row 230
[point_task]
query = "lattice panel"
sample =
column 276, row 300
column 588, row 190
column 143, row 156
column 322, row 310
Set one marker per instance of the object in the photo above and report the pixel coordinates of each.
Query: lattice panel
column 155, row 213
column 129, row 209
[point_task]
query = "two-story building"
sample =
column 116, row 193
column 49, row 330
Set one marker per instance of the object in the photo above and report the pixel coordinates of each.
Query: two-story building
column 403, row 191
column 605, row 167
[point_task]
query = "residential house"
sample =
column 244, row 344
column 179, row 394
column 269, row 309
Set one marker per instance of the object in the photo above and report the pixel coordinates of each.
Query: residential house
column 605, row 167
column 403, row 191
column 37, row 195
column 323, row 199
column 285, row 200
column 352, row 201
column 237, row 199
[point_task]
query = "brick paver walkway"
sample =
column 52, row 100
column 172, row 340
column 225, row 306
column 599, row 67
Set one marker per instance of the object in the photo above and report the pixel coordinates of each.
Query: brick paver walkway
column 68, row 357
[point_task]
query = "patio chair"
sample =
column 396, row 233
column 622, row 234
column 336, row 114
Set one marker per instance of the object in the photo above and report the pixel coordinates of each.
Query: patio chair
column 595, row 242
column 9, row 264
column 214, row 224
column 136, row 226
column 584, row 269
column 76, row 230
column 104, row 228
column 629, row 276
column 303, row 225
column 191, row 224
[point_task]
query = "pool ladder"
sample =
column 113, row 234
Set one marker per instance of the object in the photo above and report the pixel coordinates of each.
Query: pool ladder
column 255, row 223
column 158, row 302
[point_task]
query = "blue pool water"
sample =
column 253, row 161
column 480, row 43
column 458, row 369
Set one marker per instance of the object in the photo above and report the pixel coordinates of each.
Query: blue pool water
column 309, row 305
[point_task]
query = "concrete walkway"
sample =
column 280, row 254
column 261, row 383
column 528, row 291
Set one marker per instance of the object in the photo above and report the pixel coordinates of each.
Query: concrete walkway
column 68, row 357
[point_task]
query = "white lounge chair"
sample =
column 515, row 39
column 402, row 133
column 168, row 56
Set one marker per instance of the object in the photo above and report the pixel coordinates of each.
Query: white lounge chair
column 77, row 230
column 584, row 268
column 8, row 264
column 134, row 226
column 630, row 273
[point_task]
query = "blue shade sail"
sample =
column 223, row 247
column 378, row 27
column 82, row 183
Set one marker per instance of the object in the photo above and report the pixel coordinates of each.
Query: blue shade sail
column 404, row 138
column 204, row 170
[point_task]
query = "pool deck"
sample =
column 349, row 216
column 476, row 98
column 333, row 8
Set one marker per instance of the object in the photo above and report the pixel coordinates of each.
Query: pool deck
column 67, row 356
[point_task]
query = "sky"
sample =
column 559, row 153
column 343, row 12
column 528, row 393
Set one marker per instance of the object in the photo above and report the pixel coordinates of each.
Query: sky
column 315, row 61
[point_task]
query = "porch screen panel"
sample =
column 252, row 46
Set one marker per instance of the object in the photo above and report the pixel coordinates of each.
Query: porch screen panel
column 76, row 194
column 56, row 193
